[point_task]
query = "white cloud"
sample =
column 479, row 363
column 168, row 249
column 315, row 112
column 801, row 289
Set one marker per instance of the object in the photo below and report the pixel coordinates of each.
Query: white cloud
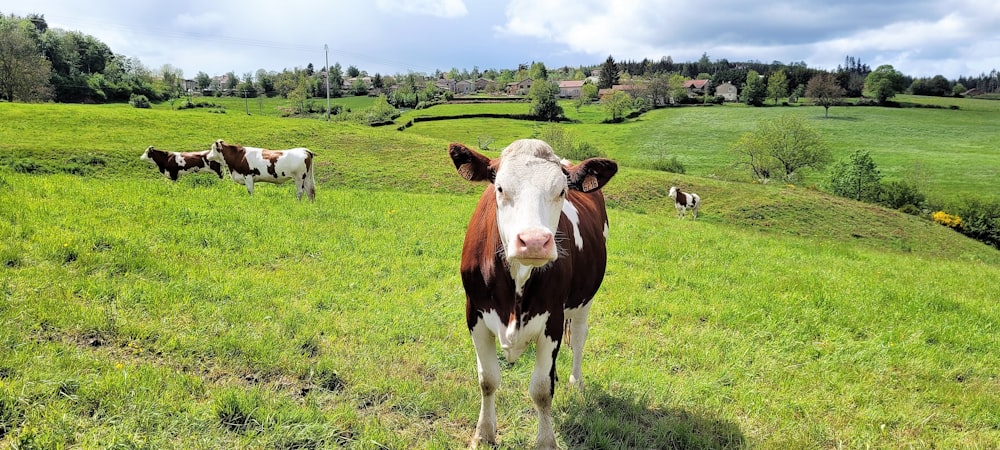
column 437, row 8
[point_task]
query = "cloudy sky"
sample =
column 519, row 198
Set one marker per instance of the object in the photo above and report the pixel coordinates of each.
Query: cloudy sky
column 917, row 37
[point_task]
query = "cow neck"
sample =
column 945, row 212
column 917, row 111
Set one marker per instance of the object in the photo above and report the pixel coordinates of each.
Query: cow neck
column 159, row 157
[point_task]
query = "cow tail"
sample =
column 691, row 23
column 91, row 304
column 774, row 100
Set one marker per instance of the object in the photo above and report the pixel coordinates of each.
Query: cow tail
column 310, row 184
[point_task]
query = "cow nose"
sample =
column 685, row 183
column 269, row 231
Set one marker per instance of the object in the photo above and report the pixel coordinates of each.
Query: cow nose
column 534, row 243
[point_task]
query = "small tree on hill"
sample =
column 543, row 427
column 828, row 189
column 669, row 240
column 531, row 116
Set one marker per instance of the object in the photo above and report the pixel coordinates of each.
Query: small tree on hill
column 824, row 91
column 783, row 147
column 857, row 177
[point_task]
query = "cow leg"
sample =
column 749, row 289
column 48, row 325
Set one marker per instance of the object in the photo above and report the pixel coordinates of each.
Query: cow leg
column 249, row 183
column 300, row 187
column 542, row 386
column 577, row 330
column 489, row 380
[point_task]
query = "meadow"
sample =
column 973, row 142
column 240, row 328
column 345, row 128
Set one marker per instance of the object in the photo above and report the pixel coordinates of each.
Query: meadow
column 140, row 313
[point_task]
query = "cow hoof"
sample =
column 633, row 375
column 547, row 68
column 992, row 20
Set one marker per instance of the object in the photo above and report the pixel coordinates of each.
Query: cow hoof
column 478, row 442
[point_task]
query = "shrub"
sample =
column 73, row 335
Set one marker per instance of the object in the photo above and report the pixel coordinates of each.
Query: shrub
column 946, row 219
column 583, row 151
column 139, row 101
column 897, row 194
column 981, row 220
column 28, row 166
column 672, row 165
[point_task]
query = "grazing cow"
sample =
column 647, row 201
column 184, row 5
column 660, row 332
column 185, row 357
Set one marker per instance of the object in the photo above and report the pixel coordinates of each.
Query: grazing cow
column 685, row 200
column 250, row 164
column 533, row 258
column 174, row 164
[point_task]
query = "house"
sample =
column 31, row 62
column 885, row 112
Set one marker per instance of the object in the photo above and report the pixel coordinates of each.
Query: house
column 483, row 84
column 465, row 87
column 445, row 84
column 349, row 83
column 727, row 91
column 635, row 90
column 519, row 88
column 570, row 88
column 696, row 87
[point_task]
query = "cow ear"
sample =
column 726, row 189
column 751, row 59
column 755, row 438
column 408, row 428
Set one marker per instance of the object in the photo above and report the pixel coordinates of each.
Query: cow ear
column 471, row 165
column 591, row 174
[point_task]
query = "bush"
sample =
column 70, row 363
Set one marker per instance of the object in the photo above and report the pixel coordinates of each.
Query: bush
column 897, row 194
column 672, row 165
column 980, row 220
column 139, row 101
column 583, row 151
column 28, row 166
column 948, row 220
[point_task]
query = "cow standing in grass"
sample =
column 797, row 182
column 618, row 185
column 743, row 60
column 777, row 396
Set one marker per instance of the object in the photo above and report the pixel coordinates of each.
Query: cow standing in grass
column 248, row 165
column 174, row 164
column 533, row 258
column 684, row 201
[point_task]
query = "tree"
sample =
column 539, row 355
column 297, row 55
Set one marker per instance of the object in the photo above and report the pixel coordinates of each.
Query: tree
column 857, row 177
column 609, row 74
column 658, row 89
column 777, row 86
column 676, row 89
column 796, row 145
column 824, row 91
column 783, row 146
column 202, row 80
column 589, row 91
column 754, row 91
column 24, row 71
column 884, row 83
column 544, row 104
column 616, row 103
column 538, row 71
column 353, row 72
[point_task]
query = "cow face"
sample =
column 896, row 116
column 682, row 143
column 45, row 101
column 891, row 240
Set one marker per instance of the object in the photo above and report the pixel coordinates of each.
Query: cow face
column 146, row 156
column 530, row 185
column 215, row 152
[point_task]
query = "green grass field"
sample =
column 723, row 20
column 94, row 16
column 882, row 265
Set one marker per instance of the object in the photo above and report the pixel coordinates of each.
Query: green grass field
column 140, row 313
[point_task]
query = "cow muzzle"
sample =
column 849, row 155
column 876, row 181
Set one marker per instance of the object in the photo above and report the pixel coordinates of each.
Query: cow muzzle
column 534, row 247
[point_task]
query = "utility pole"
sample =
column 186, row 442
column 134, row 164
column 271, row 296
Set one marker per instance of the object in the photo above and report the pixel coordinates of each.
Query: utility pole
column 326, row 51
column 246, row 101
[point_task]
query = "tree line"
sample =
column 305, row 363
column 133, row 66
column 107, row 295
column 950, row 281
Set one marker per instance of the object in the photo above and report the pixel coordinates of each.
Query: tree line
column 38, row 63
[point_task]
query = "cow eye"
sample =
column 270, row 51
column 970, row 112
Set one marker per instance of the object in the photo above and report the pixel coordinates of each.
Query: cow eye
column 500, row 189
column 562, row 193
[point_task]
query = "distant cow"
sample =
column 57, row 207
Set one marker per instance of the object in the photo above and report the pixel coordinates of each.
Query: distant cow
column 174, row 164
column 250, row 164
column 533, row 258
column 685, row 200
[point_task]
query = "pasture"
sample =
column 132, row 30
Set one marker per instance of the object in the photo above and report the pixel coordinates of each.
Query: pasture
column 141, row 313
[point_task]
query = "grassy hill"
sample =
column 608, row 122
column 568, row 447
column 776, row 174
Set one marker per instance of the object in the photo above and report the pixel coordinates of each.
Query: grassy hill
column 142, row 313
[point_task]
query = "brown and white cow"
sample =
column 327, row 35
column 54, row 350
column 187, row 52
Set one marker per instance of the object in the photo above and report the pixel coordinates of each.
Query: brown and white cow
column 174, row 164
column 533, row 258
column 251, row 164
column 684, row 201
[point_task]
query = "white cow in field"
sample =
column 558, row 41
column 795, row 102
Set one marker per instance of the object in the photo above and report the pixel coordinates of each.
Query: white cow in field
column 250, row 164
